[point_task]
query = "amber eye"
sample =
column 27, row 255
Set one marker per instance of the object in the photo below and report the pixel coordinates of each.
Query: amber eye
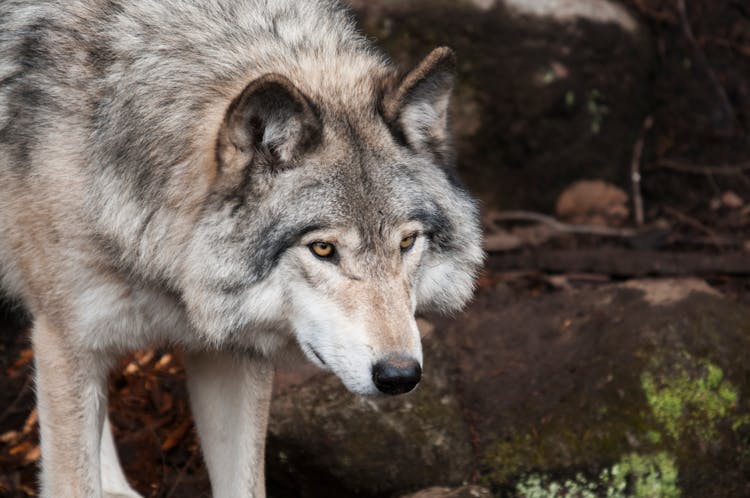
column 322, row 249
column 407, row 243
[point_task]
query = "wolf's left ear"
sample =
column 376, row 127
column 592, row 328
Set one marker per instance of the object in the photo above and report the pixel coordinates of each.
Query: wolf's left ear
column 267, row 126
column 416, row 109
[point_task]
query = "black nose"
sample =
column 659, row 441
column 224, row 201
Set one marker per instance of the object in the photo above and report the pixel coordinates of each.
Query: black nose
column 396, row 375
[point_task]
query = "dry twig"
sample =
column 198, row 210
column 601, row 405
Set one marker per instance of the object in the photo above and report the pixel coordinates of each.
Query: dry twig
column 701, row 169
column 14, row 404
column 715, row 238
column 635, row 171
column 624, row 262
column 560, row 226
column 721, row 42
column 182, row 473
column 652, row 13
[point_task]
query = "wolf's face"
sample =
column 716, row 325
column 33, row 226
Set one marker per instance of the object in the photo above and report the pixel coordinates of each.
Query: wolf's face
column 352, row 307
column 336, row 226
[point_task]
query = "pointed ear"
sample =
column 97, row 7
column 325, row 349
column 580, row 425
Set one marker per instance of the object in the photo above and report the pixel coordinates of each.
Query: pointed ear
column 416, row 109
column 267, row 126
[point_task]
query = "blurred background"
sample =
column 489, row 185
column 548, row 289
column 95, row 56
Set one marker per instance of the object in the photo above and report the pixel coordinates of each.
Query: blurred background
column 605, row 352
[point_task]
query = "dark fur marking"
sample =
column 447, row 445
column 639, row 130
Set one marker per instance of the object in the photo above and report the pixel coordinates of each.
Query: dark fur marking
column 26, row 99
column 146, row 223
column 21, row 133
column 11, row 78
column 320, row 358
column 101, row 56
column 33, row 52
column 307, row 277
column 437, row 224
column 266, row 251
column 393, row 125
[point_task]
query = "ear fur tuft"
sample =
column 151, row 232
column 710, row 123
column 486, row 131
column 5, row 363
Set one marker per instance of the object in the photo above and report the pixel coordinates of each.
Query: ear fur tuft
column 417, row 107
column 268, row 125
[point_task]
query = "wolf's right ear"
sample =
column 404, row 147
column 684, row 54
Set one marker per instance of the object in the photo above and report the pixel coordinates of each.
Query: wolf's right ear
column 267, row 126
column 416, row 108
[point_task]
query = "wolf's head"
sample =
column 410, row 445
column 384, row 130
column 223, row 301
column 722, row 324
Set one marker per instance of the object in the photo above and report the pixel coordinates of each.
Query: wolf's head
column 336, row 219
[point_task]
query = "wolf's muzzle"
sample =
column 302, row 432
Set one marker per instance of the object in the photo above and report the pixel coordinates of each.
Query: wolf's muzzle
column 396, row 375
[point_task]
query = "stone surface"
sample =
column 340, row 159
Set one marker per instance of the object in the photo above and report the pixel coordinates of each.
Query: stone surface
column 639, row 389
column 574, row 390
column 601, row 11
column 324, row 441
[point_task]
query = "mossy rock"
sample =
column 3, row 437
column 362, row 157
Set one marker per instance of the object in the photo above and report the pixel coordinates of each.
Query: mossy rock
column 636, row 390
column 325, row 441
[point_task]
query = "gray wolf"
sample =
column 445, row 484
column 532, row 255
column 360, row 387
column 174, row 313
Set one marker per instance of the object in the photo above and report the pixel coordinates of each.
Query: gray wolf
column 236, row 178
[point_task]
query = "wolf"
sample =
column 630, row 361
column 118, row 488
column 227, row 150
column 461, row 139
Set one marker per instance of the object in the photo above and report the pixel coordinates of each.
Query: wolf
column 234, row 178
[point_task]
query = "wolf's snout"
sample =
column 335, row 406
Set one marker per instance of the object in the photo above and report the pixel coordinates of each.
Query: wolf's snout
column 396, row 375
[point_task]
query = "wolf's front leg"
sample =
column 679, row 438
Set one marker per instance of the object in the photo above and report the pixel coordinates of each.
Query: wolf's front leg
column 71, row 399
column 230, row 396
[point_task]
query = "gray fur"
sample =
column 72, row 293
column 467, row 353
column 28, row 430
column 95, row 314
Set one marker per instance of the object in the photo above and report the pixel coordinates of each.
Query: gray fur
column 161, row 163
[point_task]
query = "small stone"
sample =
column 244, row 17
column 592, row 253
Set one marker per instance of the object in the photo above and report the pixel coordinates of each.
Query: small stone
column 593, row 202
column 731, row 200
column 462, row 492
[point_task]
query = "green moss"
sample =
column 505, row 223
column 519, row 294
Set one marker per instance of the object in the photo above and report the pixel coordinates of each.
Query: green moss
column 538, row 486
column 569, row 440
column 634, row 476
column 652, row 476
column 740, row 422
column 507, row 459
column 653, row 437
column 690, row 396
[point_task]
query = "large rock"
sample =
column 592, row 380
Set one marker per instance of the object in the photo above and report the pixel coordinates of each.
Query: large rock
column 552, row 89
column 325, row 441
column 640, row 389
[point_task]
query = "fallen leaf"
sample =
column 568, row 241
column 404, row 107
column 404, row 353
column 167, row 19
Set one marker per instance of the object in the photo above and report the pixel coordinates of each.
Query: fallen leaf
column 21, row 448
column 166, row 403
column 144, row 357
column 24, row 358
column 32, row 455
column 174, row 437
column 31, row 421
column 163, row 362
column 132, row 368
column 10, row 437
